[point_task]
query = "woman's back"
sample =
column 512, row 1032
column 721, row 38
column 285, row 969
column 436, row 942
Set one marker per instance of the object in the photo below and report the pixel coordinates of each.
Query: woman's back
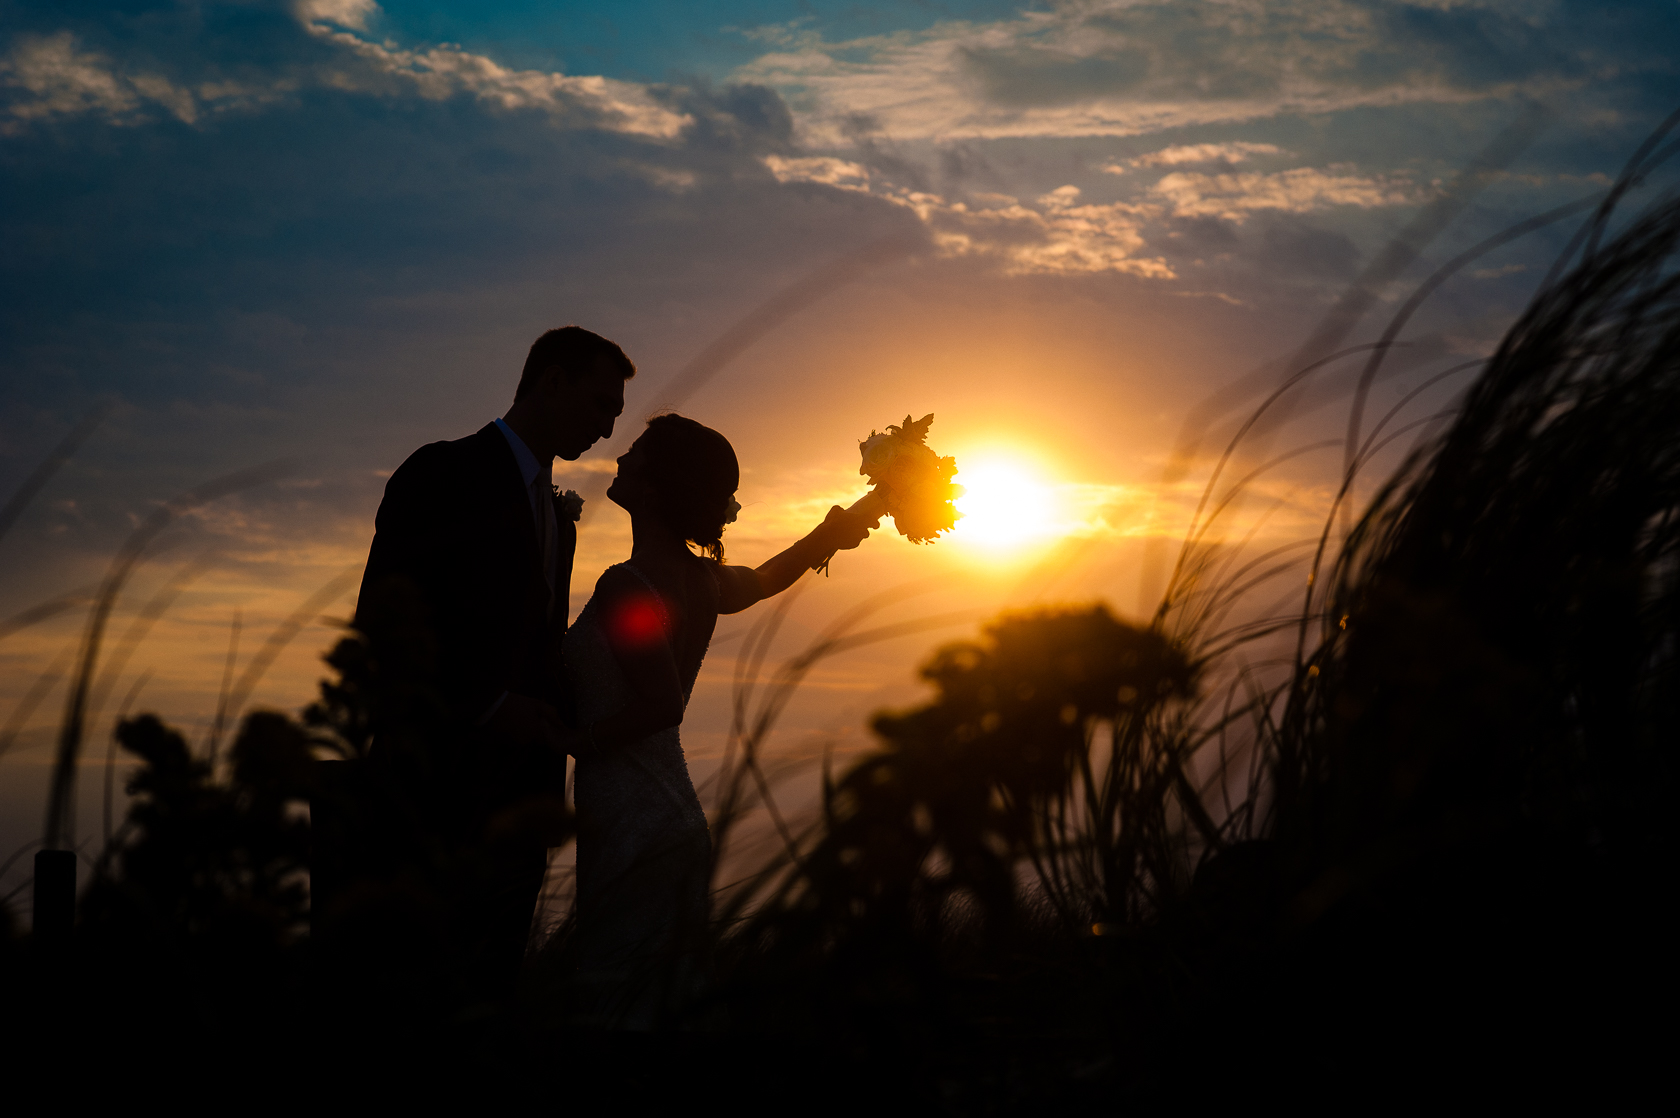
column 686, row 589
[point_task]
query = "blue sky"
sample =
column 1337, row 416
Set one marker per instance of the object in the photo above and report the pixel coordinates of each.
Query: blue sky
column 328, row 229
column 665, row 40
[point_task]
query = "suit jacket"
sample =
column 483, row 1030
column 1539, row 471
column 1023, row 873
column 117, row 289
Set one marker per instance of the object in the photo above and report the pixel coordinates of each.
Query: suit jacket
column 454, row 532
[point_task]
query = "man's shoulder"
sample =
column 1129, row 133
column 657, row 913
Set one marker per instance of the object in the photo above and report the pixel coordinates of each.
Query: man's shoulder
column 453, row 458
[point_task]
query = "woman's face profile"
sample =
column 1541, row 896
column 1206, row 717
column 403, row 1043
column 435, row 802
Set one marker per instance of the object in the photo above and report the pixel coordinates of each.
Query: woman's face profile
column 626, row 488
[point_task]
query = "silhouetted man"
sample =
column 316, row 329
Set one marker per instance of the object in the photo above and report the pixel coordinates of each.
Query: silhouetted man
column 473, row 542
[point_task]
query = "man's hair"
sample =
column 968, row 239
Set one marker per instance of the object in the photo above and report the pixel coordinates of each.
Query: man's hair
column 572, row 350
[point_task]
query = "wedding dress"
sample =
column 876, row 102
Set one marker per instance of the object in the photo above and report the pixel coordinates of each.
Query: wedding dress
column 643, row 853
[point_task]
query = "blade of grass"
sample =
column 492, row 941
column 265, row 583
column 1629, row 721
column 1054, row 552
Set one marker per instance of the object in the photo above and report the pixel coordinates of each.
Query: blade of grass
column 59, row 797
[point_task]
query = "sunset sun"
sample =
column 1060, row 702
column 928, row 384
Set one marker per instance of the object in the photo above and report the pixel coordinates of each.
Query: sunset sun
column 1007, row 504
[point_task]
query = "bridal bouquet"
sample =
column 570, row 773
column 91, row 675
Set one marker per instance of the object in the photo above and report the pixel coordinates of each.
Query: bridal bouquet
column 910, row 482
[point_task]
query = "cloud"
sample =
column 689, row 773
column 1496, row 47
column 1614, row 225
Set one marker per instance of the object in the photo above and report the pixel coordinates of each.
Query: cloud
column 353, row 14
column 441, row 72
column 1236, row 151
column 376, row 204
column 1234, row 196
column 54, row 77
column 1068, row 238
column 1122, row 67
column 1059, row 233
column 825, row 170
column 1060, row 236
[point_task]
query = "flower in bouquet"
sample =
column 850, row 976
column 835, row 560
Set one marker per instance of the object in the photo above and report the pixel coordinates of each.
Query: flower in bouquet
column 911, row 480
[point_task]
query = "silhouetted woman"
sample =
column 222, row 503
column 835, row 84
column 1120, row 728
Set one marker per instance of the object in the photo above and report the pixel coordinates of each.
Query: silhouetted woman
column 633, row 654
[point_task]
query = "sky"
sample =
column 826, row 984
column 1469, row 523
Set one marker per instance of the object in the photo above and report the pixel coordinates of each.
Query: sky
column 1088, row 236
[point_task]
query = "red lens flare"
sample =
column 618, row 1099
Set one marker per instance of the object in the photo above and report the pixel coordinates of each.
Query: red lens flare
column 637, row 622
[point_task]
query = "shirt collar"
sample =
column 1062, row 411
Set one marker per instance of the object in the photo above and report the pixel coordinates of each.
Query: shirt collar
column 529, row 468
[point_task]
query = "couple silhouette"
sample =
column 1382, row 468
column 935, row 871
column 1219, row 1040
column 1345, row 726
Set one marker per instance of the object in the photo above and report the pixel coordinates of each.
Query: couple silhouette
column 475, row 541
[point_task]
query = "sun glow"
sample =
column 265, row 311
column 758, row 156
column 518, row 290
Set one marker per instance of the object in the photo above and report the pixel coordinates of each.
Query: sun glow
column 1006, row 506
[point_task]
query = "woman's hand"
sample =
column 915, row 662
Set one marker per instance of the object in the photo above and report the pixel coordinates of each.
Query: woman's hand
column 844, row 529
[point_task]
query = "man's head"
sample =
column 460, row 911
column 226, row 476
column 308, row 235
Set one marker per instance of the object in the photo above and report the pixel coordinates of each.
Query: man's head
column 571, row 391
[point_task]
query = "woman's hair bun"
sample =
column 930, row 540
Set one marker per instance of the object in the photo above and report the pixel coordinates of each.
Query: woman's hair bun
column 693, row 473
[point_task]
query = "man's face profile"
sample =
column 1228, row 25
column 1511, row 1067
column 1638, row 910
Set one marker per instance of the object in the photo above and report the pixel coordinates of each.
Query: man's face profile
column 585, row 406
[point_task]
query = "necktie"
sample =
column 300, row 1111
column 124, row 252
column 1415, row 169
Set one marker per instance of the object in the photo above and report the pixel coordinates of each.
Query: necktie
column 548, row 532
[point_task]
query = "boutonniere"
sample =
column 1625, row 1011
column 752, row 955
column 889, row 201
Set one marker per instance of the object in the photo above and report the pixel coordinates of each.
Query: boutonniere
column 571, row 502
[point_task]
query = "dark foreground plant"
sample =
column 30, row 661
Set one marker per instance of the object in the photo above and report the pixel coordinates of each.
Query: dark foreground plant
column 204, row 890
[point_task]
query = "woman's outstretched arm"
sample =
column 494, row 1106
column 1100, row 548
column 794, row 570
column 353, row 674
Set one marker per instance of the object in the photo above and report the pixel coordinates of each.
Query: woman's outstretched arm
column 841, row 530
